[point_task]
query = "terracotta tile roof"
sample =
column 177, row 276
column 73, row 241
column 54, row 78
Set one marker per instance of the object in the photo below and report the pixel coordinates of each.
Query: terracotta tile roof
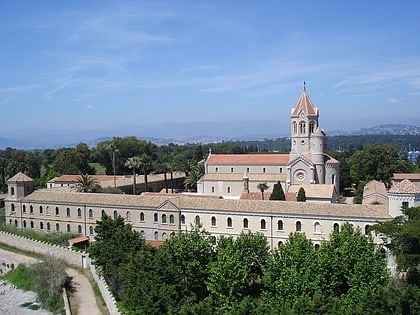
column 406, row 186
column 248, row 159
column 20, row 177
column 410, row 176
column 73, row 178
column 374, row 187
column 79, row 239
column 48, row 196
column 239, row 177
column 255, row 196
column 304, row 104
column 154, row 244
column 313, row 191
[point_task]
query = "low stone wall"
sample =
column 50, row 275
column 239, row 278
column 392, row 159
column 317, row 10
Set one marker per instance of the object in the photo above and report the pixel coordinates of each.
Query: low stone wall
column 70, row 256
column 105, row 291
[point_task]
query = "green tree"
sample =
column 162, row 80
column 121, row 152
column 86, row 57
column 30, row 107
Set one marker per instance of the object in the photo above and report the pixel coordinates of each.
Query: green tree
column 262, row 187
column 301, row 196
column 194, row 176
column 134, row 163
column 145, row 162
column 87, row 184
column 404, row 234
column 278, row 193
column 115, row 244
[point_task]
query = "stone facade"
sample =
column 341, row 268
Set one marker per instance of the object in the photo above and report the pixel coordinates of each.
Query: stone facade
column 231, row 175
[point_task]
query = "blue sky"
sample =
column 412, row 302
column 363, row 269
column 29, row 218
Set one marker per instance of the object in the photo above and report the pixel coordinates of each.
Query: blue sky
column 103, row 64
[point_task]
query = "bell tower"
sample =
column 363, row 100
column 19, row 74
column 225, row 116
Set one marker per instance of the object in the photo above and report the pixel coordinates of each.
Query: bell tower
column 304, row 124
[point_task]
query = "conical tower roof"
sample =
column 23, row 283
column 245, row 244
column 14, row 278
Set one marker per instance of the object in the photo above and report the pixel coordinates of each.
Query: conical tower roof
column 20, row 177
column 304, row 105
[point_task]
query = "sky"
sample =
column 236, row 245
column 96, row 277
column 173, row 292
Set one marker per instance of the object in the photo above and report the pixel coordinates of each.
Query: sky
column 77, row 65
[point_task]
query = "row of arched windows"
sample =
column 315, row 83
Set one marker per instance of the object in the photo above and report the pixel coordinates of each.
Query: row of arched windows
column 48, row 227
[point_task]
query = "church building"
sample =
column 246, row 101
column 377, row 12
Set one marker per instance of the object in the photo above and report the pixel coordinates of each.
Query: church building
column 234, row 176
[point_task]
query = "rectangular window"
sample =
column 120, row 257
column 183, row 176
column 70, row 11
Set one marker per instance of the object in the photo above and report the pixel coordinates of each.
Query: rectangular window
column 405, row 205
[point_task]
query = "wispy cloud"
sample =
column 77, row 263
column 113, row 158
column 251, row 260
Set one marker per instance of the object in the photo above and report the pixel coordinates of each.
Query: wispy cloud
column 49, row 95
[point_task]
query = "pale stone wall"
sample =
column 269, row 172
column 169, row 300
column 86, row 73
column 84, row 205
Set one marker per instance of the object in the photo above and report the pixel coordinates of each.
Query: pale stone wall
column 72, row 257
column 250, row 169
column 105, row 291
column 317, row 229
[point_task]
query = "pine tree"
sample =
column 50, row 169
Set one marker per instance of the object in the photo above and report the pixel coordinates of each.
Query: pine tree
column 278, row 193
column 301, row 195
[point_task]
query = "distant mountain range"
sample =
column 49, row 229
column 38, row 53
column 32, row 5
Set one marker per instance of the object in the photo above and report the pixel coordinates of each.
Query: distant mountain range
column 163, row 134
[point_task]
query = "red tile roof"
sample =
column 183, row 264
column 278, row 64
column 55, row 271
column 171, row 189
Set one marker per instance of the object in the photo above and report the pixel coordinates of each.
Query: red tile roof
column 79, row 239
column 74, row 178
column 410, row 176
column 304, row 104
column 248, row 159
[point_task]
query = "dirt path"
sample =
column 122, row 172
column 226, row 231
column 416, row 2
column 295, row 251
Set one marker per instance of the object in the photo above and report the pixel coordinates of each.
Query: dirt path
column 83, row 293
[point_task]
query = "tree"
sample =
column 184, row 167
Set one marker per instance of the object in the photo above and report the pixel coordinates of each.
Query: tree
column 404, row 233
column 115, row 243
column 87, row 184
column 134, row 163
column 262, row 187
column 194, row 176
column 301, row 196
column 145, row 162
column 278, row 193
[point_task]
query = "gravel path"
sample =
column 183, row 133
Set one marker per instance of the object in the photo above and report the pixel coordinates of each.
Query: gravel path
column 11, row 298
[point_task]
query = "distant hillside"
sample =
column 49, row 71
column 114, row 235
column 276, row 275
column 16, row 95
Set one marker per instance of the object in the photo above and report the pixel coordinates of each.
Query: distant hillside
column 392, row 129
column 36, row 139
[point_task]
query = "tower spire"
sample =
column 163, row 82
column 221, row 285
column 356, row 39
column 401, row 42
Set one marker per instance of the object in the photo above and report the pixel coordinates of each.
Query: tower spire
column 304, row 86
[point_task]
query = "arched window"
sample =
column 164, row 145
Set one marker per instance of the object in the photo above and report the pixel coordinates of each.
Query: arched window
column 79, row 229
column 155, row 218
column 24, row 209
column 141, row 216
column 128, row 216
column 336, row 227
column 31, row 224
column 229, row 222
column 263, row 224
column 298, row 226
column 16, row 223
column 164, row 218
column 294, row 127
column 280, row 225
column 302, row 126
column 263, row 170
column 279, row 243
column 12, row 191
column 24, row 224
column 142, row 233
column 228, row 189
column 213, row 221
column 245, row 223
column 41, row 211
column 311, row 127
column 212, row 189
column 197, row 220
column 57, row 227
column 317, row 227
column 41, row 225
column 171, row 219
column 316, row 246
column 13, row 207
column 79, row 212
column 164, row 235
column 48, row 226
column 57, row 211
column 367, row 229
column 156, row 236
column 68, row 212
column 68, row 229
column 90, row 213
column 90, row 230
column 115, row 214
column 231, row 169
column 182, row 219
column 103, row 214
column 31, row 209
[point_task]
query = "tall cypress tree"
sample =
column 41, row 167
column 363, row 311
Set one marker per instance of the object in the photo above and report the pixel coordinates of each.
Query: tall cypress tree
column 301, row 195
column 278, row 193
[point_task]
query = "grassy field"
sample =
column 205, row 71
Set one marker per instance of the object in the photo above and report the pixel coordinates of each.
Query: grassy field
column 100, row 169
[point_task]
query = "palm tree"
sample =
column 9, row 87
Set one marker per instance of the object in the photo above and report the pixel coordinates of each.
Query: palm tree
column 134, row 164
column 194, row 176
column 262, row 187
column 145, row 162
column 87, row 184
